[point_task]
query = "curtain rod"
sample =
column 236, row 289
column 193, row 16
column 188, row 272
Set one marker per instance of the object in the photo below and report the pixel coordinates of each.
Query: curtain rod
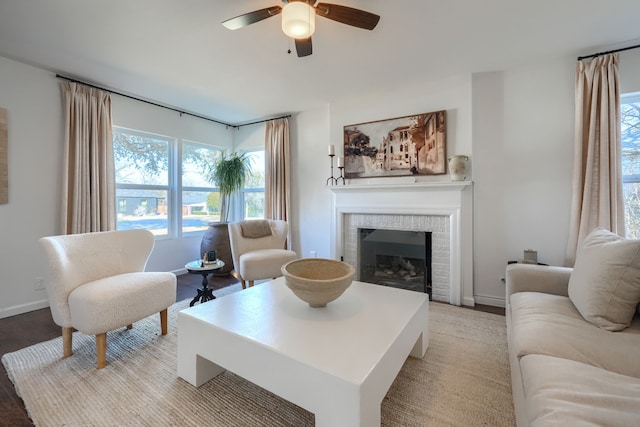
column 165, row 106
column 145, row 101
column 265, row 120
column 595, row 55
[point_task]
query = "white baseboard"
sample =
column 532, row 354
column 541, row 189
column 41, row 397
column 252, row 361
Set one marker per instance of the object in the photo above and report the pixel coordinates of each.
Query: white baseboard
column 37, row 305
column 23, row 308
column 492, row 301
column 469, row 302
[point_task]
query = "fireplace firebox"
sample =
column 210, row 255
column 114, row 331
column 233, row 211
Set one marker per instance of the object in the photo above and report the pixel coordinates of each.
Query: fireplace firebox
column 396, row 258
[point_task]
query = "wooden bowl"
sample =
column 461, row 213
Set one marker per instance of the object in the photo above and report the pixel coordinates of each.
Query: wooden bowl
column 318, row 281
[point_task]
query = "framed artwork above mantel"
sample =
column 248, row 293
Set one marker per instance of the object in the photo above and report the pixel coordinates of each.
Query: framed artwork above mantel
column 409, row 145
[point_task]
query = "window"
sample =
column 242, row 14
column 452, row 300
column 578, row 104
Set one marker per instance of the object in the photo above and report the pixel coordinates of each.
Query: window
column 142, row 180
column 630, row 136
column 200, row 199
column 253, row 191
column 161, row 183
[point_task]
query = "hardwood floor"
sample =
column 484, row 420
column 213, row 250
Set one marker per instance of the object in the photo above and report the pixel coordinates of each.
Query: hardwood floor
column 31, row 328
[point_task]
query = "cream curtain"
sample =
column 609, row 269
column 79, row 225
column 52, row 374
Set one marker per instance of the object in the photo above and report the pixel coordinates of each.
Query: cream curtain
column 88, row 192
column 597, row 177
column 277, row 179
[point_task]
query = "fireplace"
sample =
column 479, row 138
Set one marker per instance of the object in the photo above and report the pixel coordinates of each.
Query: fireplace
column 396, row 258
column 444, row 209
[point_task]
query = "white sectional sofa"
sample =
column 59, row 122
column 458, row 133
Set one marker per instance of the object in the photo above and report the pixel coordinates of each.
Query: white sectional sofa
column 574, row 337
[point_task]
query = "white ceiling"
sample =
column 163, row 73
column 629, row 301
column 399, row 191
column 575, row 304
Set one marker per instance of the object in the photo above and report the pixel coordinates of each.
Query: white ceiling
column 176, row 52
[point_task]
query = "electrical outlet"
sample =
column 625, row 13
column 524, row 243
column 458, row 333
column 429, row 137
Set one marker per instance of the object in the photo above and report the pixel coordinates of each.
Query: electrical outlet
column 313, row 254
column 39, row 284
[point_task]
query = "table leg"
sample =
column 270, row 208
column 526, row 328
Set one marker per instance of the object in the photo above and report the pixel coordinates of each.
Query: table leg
column 192, row 367
column 351, row 410
column 196, row 298
column 205, row 293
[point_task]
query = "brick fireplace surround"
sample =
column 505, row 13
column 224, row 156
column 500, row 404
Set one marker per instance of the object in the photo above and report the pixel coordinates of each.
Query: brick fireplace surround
column 443, row 208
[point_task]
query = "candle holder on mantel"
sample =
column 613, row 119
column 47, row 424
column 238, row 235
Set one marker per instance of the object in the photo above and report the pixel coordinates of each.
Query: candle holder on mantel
column 341, row 177
column 331, row 180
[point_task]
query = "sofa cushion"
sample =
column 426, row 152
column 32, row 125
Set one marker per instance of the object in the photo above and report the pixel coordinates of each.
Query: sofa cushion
column 605, row 283
column 567, row 393
column 550, row 325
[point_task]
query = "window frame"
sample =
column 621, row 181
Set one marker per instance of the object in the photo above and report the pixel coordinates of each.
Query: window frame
column 174, row 189
column 149, row 187
column 181, row 189
column 245, row 190
column 628, row 98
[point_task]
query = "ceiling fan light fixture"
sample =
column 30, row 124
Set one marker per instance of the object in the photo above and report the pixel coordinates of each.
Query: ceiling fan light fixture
column 298, row 20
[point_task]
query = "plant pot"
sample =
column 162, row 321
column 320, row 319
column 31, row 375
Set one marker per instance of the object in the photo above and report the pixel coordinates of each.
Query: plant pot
column 216, row 238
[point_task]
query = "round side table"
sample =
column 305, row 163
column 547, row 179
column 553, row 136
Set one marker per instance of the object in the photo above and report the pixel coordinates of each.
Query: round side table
column 198, row 267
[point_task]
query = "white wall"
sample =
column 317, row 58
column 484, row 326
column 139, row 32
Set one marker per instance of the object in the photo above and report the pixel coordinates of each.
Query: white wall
column 310, row 198
column 523, row 157
column 33, row 99
column 249, row 137
column 630, row 71
column 452, row 94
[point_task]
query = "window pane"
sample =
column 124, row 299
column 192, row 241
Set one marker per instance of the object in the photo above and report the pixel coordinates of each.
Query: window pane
column 254, row 205
column 630, row 136
column 253, row 192
column 199, row 208
column 142, row 180
column 256, row 179
column 142, row 209
column 140, row 158
column 632, row 209
column 196, row 161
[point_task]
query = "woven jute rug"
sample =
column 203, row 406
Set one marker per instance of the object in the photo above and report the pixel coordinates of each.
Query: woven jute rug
column 463, row 380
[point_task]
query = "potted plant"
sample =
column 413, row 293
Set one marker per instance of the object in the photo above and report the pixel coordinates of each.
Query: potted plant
column 229, row 174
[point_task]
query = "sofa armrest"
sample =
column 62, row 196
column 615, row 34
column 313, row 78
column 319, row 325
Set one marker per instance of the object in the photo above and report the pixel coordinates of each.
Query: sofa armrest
column 537, row 278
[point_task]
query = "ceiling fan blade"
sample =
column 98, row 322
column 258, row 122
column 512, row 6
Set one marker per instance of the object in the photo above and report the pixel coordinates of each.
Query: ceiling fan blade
column 304, row 47
column 251, row 17
column 348, row 15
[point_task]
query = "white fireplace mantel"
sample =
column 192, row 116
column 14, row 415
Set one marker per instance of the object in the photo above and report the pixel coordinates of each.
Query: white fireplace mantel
column 450, row 199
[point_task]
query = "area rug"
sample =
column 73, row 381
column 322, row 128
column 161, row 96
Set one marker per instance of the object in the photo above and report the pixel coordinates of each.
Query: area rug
column 463, row 380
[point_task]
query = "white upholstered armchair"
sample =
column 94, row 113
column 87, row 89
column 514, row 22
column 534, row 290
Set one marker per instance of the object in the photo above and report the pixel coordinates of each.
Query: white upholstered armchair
column 258, row 249
column 96, row 283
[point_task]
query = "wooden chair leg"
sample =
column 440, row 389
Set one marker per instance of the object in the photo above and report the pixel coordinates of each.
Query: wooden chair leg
column 244, row 285
column 250, row 283
column 101, row 350
column 164, row 323
column 67, row 342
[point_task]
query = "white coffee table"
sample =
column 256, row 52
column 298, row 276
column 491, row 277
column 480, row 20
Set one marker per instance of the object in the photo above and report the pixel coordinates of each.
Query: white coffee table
column 337, row 361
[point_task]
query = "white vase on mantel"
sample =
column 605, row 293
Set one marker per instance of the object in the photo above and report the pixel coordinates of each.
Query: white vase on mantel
column 458, row 165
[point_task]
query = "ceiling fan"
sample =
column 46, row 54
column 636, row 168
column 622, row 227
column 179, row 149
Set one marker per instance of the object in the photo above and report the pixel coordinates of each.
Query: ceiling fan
column 298, row 19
